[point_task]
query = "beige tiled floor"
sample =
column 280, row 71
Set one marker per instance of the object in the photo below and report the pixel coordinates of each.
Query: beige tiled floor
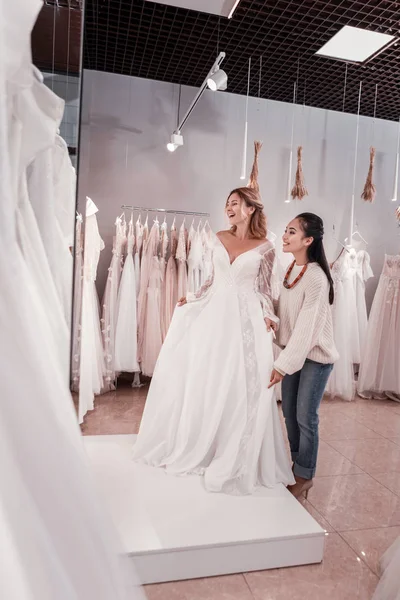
column 356, row 498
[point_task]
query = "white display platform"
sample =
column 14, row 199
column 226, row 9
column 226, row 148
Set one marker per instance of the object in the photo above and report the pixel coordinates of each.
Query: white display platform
column 175, row 530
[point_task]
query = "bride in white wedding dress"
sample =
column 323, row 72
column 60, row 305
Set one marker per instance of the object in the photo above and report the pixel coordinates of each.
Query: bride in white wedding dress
column 209, row 410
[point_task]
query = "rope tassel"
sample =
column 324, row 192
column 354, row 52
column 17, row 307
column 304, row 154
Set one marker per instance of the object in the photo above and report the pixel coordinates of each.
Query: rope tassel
column 299, row 190
column 253, row 181
column 369, row 189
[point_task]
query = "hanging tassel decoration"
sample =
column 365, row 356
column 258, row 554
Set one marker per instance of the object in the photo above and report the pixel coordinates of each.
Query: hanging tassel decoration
column 253, row 181
column 299, row 190
column 369, row 189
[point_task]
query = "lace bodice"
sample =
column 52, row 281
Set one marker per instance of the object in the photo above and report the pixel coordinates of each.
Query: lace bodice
column 249, row 274
column 131, row 239
column 391, row 267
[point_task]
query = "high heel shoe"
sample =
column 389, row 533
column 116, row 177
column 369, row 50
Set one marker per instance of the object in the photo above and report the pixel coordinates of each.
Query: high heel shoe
column 301, row 487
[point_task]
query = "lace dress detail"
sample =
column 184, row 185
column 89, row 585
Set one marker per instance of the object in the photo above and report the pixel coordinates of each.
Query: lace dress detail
column 379, row 371
column 76, row 325
column 209, row 410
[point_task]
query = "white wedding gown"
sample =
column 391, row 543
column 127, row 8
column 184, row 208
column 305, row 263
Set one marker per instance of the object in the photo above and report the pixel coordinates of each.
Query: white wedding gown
column 209, row 411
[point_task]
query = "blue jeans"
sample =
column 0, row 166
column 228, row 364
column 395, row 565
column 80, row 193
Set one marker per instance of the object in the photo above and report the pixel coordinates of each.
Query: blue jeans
column 302, row 393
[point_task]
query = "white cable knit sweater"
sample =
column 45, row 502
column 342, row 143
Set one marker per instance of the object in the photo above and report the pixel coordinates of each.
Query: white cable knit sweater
column 305, row 329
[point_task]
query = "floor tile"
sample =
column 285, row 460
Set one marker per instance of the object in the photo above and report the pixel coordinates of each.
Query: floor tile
column 350, row 502
column 389, row 480
column 332, row 462
column 336, row 426
column 231, row 587
column 371, row 544
column 395, row 440
column 380, row 419
column 341, row 576
column 372, row 456
column 316, row 515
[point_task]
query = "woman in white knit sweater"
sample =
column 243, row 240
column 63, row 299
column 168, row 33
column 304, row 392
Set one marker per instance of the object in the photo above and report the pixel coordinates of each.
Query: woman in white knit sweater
column 306, row 338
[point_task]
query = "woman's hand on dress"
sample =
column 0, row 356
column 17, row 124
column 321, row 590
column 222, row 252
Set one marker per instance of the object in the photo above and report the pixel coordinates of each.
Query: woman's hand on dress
column 276, row 377
column 271, row 325
column 182, row 302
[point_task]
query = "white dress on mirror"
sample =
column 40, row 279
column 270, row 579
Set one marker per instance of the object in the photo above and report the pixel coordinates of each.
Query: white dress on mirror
column 380, row 367
column 92, row 365
column 209, row 410
column 126, row 358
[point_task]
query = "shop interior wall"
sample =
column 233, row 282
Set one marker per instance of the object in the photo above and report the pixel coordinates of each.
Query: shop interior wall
column 126, row 123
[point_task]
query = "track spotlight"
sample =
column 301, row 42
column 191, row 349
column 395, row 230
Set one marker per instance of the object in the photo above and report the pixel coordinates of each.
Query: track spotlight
column 218, row 81
column 176, row 141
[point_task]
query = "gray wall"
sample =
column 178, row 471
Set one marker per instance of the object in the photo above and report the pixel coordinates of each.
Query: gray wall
column 127, row 123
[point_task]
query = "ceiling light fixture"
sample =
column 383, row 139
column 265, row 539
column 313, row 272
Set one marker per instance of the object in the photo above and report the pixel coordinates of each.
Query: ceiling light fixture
column 219, row 80
column 355, row 45
column 176, row 141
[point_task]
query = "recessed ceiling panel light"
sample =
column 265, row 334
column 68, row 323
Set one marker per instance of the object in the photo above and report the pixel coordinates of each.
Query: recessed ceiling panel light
column 223, row 8
column 352, row 44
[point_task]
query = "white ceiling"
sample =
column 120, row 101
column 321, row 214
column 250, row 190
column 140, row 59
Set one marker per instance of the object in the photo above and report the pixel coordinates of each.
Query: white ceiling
column 214, row 7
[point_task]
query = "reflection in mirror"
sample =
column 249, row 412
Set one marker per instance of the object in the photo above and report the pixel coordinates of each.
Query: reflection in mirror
column 51, row 176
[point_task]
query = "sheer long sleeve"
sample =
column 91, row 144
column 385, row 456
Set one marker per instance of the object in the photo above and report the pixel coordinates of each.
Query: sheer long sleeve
column 264, row 288
column 202, row 291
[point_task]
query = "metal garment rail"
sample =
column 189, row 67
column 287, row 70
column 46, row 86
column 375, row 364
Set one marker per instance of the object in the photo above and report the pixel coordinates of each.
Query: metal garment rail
column 165, row 210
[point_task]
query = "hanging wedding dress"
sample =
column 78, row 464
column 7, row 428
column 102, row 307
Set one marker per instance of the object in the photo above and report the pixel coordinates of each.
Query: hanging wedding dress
column 389, row 584
column 138, row 250
column 110, row 299
column 362, row 272
column 380, row 367
column 206, row 239
column 171, row 282
column 341, row 382
column 126, row 358
column 181, row 257
column 150, row 326
column 92, row 366
column 56, row 541
column 195, row 261
column 163, row 271
column 209, row 410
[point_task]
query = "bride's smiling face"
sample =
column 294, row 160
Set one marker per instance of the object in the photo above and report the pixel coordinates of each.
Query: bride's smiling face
column 237, row 210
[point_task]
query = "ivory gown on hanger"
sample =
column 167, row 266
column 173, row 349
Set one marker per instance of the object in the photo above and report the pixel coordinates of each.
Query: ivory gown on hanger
column 138, row 250
column 126, row 358
column 380, row 367
column 181, row 257
column 171, row 283
column 209, row 410
column 110, row 302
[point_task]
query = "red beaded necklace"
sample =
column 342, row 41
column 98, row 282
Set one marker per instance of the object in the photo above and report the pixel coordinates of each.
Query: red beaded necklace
column 286, row 283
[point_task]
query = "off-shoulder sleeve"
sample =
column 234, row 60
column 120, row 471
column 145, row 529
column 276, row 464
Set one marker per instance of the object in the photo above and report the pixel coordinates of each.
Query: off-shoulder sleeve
column 264, row 288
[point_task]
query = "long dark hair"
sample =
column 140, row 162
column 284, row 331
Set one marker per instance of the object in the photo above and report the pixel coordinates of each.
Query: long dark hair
column 313, row 226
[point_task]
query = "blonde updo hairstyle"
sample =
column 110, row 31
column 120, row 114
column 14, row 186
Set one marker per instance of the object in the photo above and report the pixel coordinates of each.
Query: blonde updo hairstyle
column 250, row 196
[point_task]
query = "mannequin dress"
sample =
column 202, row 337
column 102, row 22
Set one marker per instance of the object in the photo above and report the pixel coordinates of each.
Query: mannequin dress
column 209, row 410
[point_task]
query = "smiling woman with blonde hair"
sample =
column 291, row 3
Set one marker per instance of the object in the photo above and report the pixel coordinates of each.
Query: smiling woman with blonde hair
column 209, row 410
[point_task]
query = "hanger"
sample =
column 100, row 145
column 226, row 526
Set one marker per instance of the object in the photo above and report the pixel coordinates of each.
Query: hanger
column 339, row 242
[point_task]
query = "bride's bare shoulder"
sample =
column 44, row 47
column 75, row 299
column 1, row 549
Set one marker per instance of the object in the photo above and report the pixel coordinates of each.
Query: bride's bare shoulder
column 223, row 234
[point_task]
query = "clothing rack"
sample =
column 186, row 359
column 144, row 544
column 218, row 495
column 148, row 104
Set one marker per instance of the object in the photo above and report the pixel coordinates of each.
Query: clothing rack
column 165, row 210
